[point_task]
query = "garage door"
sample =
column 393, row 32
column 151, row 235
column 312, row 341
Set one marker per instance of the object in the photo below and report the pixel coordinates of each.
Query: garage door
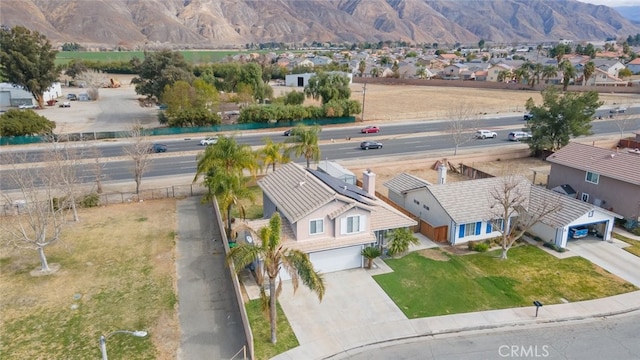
column 337, row 259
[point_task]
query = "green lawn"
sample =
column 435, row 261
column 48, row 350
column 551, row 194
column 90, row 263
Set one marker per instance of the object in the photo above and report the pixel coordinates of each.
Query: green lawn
column 635, row 244
column 194, row 57
column 262, row 332
column 424, row 287
column 252, row 210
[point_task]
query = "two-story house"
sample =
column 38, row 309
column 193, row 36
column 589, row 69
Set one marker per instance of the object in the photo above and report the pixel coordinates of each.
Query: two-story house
column 603, row 177
column 330, row 220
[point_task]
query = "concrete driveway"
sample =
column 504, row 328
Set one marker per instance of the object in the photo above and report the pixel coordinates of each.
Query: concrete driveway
column 352, row 299
column 609, row 256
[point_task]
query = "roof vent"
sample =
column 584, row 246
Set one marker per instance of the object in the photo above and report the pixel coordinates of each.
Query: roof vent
column 301, row 183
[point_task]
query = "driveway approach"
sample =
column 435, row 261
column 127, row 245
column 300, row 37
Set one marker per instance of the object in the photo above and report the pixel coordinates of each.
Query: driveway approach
column 610, row 256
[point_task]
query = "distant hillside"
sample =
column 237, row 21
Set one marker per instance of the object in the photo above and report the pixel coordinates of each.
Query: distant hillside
column 630, row 12
column 224, row 23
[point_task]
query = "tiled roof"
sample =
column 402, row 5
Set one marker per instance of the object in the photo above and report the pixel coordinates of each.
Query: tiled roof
column 470, row 201
column 570, row 208
column 295, row 191
column 404, row 183
column 608, row 163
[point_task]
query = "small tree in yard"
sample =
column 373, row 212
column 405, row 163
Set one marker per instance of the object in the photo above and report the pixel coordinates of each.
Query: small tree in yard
column 40, row 211
column 370, row 253
column 139, row 152
column 400, row 241
column 94, row 80
column 274, row 257
column 516, row 206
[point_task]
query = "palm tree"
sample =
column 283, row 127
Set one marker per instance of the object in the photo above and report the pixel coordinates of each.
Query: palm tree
column 587, row 72
column 376, row 71
column 362, row 66
column 549, row 72
column 536, row 73
column 421, row 72
column 568, row 73
column 229, row 188
column 228, row 155
column 370, row 253
column 274, row 258
column 504, row 75
column 306, row 143
column 273, row 153
column 521, row 74
column 400, row 241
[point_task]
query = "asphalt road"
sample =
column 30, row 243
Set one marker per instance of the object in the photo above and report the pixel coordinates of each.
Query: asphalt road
column 608, row 338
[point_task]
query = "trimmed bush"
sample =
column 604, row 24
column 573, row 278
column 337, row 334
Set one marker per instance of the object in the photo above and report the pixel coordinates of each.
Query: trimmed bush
column 90, row 200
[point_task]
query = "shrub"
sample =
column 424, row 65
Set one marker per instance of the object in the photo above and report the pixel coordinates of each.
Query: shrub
column 553, row 246
column 90, row 200
column 479, row 246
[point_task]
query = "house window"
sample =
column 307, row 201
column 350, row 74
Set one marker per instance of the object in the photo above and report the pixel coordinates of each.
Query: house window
column 499, row 224
column 416, row 201
column 470, row 229
column 592, row 177
column 351, row 225
column 316, row 226
column 489, row 228
column 425, row 207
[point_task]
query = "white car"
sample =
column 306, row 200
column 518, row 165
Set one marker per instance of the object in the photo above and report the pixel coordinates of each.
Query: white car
column 209, row 141
column 27, row 106
column 483, row 134
column 618, row 110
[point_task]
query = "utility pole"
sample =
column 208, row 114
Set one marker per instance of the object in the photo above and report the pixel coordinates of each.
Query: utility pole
column 364, row 91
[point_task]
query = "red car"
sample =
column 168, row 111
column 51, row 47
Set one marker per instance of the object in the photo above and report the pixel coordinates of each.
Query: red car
column 370, row 129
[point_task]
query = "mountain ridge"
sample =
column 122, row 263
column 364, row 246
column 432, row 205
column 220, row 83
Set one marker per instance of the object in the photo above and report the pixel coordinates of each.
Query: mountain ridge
column 232, row 23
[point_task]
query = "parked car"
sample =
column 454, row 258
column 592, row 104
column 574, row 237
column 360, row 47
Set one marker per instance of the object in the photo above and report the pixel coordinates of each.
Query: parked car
column 366, row 145
column 370, row 129
column 518, row 135
column 27, row 106
column 528, row 116
column 483, row 134
column 72, row 97
column 288, row 132
column 65, row 104
column 209, row 141
column 158, row 148
column 578, row 232
column 618, row 110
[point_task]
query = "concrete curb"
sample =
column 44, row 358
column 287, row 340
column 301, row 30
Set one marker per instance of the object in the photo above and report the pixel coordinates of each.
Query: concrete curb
column 391, row 341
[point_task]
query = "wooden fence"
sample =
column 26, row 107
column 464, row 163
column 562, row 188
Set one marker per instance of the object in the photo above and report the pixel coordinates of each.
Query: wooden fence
column 435, row 233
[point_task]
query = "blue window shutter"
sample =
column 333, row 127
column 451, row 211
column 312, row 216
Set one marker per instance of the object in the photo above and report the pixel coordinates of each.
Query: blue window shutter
column 489, row 229
column 478, row 228
column 461, row 231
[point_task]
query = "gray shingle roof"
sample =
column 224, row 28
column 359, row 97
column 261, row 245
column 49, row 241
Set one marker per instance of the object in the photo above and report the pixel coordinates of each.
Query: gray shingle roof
column 404, row 182
column 620, row 166
column 470, row 201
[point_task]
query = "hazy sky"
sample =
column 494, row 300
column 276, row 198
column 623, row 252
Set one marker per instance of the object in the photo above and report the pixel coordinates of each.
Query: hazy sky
column 613, row 3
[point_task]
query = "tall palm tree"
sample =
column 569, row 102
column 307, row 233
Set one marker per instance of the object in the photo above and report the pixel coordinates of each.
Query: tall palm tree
column 549, row 72
column 273, row 153
column 568, row 73
column 521, row 74
column 536, row 73
column 587, row 72
column 306, row 142
column 362, row 66
column 274, row 257
column 504, row 75
column 229, row 188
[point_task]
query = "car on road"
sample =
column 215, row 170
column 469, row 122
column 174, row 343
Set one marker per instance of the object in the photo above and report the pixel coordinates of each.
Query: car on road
column 158, row 148
column 618, row 110
column 366, row 145
column 27, row 106
column 72, row 97
column 209, row 141
column 484, row 134
column 528, row 116
column 288, row 132
column 519, row 135
column 370, row 129
column 65, row 104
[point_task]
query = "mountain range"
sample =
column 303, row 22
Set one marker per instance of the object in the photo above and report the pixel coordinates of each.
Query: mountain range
column 232, row 23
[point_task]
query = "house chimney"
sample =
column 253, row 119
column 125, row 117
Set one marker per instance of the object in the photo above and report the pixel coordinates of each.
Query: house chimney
column 369, row 182
column 442, row 174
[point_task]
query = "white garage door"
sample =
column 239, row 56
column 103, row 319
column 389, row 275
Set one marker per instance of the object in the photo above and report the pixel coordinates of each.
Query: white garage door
column 337, row 259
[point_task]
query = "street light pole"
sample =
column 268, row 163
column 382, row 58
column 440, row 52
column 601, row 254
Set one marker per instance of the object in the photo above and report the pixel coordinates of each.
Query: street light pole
column 364, row 91
column 103, row 339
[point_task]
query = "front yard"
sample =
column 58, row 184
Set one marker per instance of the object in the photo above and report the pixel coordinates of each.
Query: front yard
column 431, row 282
column 634, row 247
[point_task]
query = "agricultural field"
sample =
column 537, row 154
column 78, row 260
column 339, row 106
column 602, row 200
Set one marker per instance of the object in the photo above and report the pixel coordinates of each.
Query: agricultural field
column 192, row 56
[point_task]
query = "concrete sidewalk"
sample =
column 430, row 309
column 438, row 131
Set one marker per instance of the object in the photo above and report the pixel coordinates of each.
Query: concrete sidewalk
column 343, row 337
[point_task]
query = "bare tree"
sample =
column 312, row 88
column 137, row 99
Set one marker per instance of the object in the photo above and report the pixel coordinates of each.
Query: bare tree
column 94, row 80
column 40, row 209
column 62, row 163
column 624, row 121
column 463, row 123
column 516, row 206
column 139, row 150
column 97, row 167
